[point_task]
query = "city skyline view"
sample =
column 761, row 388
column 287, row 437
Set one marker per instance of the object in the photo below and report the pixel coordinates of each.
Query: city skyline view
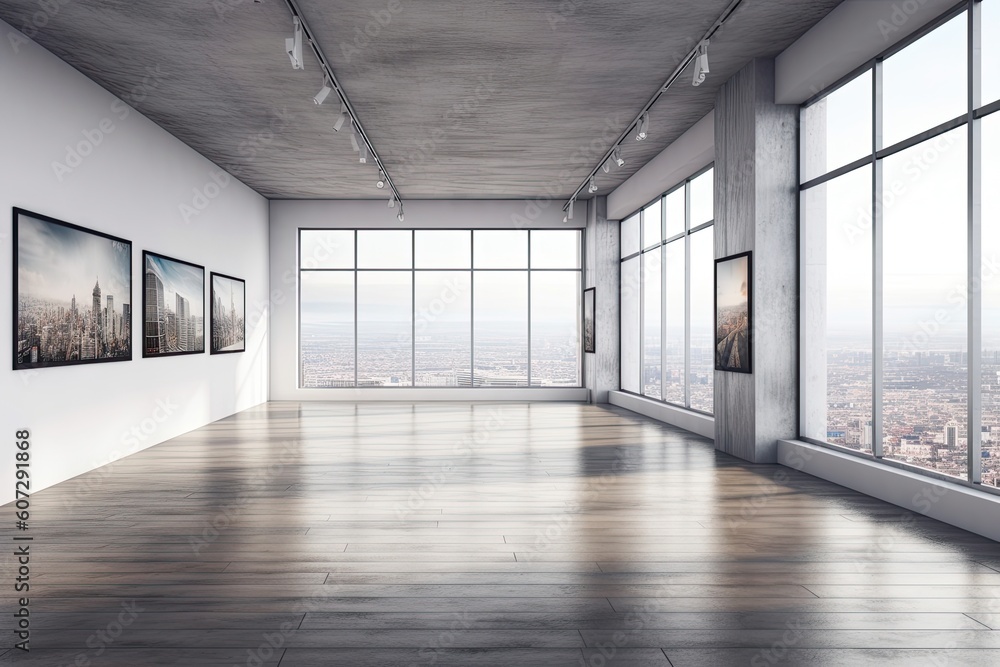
column 919, row 197
column 228, row 314
column 64, row 314
column 423, row 316
column 174, row 306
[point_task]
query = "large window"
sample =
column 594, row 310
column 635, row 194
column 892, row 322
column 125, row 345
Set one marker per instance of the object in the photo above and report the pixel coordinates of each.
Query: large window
column 668, row 255
column 900, row 354
column 439, row 308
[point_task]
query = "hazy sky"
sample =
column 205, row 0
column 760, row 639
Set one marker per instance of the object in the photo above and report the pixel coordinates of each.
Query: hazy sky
column 57, row 262
column 182, row 279
column 732, row 287
column 225, row 288
column 924, row 194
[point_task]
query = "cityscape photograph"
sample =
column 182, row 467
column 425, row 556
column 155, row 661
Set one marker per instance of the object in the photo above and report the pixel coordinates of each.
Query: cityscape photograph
column 732, row 315
column 228, row 314
column 64, row 313
column 173, row 306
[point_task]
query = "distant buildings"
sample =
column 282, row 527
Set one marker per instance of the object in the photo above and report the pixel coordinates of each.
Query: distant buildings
column 924, row 408
column 154, row 325
column 227, row 325
column 167, row 331
column 50, row 332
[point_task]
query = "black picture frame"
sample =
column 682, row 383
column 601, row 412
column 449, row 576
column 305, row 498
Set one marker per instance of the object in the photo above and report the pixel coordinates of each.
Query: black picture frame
column 50, row 330
column 733, row 336
column 589, row 320
column 228, row 330
column 165, row 335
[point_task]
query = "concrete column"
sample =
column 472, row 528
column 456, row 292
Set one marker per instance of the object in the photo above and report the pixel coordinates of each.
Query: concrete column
column 602, row 270
column 756, row 209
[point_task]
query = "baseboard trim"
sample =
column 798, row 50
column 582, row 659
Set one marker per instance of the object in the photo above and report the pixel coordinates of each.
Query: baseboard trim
column 961, row 506
column 697, row 423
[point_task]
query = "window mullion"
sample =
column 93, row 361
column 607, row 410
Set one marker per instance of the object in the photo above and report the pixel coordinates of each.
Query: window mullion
column 877, row 211
column 974, row 433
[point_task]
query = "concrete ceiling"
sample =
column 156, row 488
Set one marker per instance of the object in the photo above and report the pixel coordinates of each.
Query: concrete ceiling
column 461, row 98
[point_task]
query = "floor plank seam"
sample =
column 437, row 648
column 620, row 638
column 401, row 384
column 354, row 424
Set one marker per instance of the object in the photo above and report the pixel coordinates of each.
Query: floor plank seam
column 976, row 620
column 807, row 589
column 664, row 651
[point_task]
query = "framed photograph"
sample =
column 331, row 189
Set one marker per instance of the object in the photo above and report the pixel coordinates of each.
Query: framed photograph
column 173, row 306
column 589, row 320
column 228, row 306
column 72, row 294
column 734, row 313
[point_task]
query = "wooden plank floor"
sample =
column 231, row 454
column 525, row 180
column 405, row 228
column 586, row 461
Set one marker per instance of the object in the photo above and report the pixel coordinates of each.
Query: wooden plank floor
column 487, row 534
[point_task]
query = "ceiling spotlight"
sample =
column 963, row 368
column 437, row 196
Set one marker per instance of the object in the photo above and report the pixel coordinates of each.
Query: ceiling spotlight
column 701, row 69
column 392, row 201
column 569, row 211
column 642, row 130
column 606, row 166
column 323, row 93
column 400, row 216
column 593, row 185
column 341, row 119
column 354, row 137
column 293, row 45
column 363, row 153
column 381, row 180
column 617, row 156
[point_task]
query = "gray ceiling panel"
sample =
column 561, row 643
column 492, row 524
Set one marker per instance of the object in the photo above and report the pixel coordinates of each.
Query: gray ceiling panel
column 461, row 98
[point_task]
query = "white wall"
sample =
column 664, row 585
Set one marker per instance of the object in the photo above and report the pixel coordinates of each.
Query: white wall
column 132, row 183
column 288, row 216
column 853, row 33
column 691, row 152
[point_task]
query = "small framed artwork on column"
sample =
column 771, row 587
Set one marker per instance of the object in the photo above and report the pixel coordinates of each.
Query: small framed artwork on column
column 589, row 321
column 734, row 313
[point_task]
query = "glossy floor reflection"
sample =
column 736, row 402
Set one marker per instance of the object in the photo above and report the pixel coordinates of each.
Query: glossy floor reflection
column 488, row 534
